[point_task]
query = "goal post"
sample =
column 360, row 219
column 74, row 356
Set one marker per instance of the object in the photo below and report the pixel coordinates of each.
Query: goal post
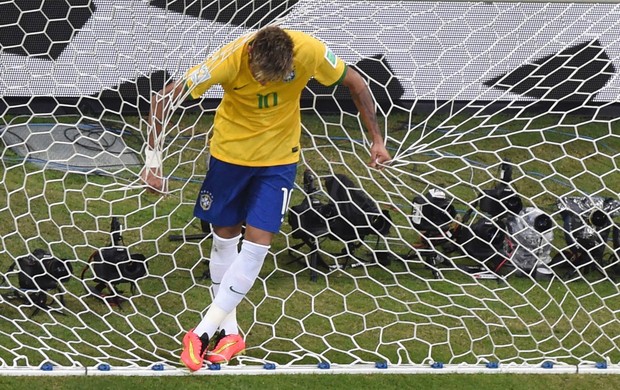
column 489, row 244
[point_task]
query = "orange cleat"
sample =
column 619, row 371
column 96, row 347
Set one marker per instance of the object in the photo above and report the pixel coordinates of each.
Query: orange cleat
column 194, row 350
column 226, row 348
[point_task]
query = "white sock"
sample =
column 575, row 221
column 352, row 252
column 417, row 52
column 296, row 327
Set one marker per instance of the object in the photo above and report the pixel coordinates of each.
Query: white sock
column 223, row 252
column 241, row 275
column 211, row 321
column 229, row 323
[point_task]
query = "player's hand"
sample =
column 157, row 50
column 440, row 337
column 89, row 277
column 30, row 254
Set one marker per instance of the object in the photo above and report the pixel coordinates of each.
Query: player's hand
column 379, row 156
column 153, row 178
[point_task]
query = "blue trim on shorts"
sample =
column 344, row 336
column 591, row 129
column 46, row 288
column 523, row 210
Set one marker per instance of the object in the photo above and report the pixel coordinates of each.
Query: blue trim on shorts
column 232, row 194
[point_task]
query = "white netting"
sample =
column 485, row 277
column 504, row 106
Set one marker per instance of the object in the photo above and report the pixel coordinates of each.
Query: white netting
column 490, row 238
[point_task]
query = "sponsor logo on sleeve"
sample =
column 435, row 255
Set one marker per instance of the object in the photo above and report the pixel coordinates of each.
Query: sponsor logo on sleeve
column 330, row 57
column 200, row 75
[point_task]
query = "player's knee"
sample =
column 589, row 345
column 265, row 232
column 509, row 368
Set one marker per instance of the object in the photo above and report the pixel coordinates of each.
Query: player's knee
column 227, row 232
column 258, row 236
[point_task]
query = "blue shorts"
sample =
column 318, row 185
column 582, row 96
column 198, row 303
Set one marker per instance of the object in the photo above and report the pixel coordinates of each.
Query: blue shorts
column 258, row 196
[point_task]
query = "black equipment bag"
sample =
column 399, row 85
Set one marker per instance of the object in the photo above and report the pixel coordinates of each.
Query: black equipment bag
column 483, row 240
column 309, row 217
column 356, row 215
column 349, row 214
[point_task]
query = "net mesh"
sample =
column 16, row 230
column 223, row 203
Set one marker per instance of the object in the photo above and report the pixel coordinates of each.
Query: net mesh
column 491, row 237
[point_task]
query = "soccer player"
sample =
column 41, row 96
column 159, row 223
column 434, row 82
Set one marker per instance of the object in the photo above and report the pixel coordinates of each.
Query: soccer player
column 254, row 153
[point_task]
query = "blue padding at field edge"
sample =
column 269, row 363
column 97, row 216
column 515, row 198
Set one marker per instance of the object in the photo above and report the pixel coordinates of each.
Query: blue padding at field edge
column 547, row 365
column 104, row 367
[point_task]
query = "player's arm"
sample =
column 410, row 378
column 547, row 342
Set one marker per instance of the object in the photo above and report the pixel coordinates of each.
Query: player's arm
column 360, row 93
column 196, row 81
column 161, row 103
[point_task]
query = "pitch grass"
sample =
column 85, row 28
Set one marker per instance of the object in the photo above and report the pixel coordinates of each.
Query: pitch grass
column 335, row 382
column 398, row 313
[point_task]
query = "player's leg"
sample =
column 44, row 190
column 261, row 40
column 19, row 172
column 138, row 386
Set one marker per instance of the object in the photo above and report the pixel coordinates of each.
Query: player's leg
column 270, row 193
column 223, row 253
column 222, row 202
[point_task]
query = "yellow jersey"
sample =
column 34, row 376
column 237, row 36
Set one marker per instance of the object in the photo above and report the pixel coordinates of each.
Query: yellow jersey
column 260, row 125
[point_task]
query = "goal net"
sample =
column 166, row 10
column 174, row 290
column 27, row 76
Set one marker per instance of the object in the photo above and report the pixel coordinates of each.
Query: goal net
column 491, row 239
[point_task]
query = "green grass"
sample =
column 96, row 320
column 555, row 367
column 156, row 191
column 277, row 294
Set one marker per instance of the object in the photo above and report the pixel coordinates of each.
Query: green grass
column 398, row 313
column 379, row 381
